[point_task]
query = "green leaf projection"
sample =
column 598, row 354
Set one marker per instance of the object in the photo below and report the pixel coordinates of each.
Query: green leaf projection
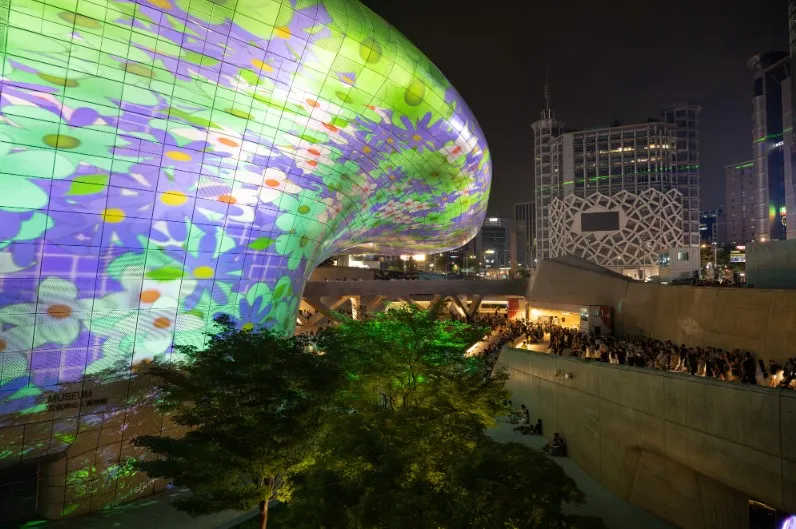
column 163, row 162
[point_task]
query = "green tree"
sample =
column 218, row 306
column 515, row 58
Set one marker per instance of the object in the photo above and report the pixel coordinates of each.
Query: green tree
column 408, row 445
column 250, row 401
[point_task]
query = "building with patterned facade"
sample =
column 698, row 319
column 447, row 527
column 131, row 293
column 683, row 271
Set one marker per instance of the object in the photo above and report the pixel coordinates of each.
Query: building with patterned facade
column 637, row 234
column 163, row 163
column 593, row 166
column 739, row 193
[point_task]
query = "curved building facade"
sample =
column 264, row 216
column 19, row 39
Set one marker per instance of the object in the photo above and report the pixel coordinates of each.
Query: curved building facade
column 166, row 161
column 163, row 162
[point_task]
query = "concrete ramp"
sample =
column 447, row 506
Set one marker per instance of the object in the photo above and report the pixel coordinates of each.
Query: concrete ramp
column 690, row 450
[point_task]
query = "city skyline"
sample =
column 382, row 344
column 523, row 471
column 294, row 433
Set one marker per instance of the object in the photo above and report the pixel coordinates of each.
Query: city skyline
column 702, row 59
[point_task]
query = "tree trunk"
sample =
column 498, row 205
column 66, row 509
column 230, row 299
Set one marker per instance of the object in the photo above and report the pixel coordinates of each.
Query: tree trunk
column 263, row 514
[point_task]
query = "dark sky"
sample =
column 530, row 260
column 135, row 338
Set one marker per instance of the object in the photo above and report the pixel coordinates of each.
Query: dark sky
column 608, row 60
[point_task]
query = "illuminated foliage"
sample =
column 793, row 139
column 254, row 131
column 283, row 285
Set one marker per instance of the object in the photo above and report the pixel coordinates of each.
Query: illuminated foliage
column 250, row 401
column 407, row 446
column 384, row 428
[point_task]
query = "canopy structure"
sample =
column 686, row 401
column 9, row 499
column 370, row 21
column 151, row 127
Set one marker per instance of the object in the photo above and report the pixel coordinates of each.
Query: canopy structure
column 163, row 162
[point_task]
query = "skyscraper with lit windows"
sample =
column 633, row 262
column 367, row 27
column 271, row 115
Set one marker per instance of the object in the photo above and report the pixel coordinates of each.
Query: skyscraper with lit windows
column 546, row 182
column 771, row 110
column 625, row 196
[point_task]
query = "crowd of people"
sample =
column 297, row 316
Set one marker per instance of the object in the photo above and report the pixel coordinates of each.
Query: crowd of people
column 503, row 331
column 641, row 351
column 638, row 351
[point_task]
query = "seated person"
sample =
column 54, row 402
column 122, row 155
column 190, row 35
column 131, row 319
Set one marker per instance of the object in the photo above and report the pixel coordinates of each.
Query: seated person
column 557, row 447
column 537, row 428
column 526, row 414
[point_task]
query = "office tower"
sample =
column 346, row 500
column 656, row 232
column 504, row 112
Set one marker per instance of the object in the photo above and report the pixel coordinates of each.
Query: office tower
column 524, row 219
column 493, row 242
column 687, row 165
column 770, row 109
column 789, row 148
column 625, row 196
column 546, row 181
column 713, row 226
column 739, row 197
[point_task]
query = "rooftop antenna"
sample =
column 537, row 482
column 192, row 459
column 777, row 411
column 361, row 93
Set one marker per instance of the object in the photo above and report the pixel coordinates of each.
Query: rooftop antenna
column 548, row 111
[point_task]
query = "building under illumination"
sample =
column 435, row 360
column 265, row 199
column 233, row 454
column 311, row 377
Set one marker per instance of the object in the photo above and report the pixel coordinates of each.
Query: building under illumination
column 625, row 197
column 493, row 243
column 789, row 119
column 148, row 189
column 771, row 109
column 523, row 234
column 739, row 196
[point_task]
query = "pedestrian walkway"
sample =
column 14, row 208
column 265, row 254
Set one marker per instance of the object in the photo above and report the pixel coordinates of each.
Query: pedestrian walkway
column 153, row 512
column 156, row 512
column 614, row 511
column 541, row 347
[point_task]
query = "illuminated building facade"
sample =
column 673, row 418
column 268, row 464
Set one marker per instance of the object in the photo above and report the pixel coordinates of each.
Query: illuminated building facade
column 771, row 108
column 740, row 190
column 686, row 169
column 163, row 162
column 789, row 121
column 657, row 155
column 524, row 219
column 636, row 234
column 493, row 243
column 713, row 226
column 546, row 179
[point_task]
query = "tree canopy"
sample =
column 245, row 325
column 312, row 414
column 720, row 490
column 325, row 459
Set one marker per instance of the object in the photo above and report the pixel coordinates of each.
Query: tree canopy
column 381, row 424
column 250, row 402
column 408, row 446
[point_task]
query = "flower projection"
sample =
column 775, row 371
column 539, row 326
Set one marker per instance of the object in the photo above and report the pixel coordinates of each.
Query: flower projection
column 166, row 161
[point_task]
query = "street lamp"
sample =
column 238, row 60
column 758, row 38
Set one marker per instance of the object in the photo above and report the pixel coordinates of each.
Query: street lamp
column 715, row 247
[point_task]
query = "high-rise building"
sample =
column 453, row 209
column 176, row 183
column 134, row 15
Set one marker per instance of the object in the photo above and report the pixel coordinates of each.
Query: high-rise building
column 546, row 179
column 789, row 120
column 625, row 197
column 713, row 226
column 762, row 191
column 771, row 100
column 739, row 197
column 687, row 165
column 524, row 220
column 493, row 243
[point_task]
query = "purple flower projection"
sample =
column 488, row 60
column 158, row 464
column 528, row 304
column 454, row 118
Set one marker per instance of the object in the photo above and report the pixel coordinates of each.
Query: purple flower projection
column 163, row 162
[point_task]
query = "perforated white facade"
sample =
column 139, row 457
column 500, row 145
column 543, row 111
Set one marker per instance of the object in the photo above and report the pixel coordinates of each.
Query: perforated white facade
column 647, row 239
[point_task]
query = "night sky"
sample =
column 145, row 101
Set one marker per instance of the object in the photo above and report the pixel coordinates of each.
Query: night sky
column 607, row 61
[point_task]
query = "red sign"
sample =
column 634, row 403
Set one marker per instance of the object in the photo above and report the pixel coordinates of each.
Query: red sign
column 514, row 306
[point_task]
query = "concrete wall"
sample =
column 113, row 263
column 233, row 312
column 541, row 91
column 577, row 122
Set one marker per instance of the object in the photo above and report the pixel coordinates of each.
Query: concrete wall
column 559, row 284
column 341, row 273
column 759, row 320
column 688, row 449
column 771, row 264
column 399, row 287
